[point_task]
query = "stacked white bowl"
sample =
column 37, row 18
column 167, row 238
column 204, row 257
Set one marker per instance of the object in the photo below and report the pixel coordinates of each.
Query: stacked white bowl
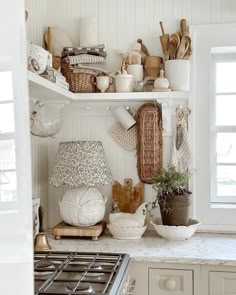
column 128, row 226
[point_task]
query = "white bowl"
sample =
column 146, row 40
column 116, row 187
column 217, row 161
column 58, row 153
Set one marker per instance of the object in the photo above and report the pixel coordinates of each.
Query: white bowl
column 126, row 233
column 177, row 233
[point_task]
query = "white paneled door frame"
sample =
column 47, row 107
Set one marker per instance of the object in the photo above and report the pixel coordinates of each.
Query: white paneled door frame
column 16, row 237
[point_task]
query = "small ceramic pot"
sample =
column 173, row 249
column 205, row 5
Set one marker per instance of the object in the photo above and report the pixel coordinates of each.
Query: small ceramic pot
column 124, row 83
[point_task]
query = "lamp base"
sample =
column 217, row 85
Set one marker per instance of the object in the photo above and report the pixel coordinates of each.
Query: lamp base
column 66, row 230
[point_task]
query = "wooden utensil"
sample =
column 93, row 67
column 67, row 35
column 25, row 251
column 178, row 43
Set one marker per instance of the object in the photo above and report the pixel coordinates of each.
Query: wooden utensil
column 189, row 51
column 183, row 26
column 185, row 50
column 49, row 40
column 183, row 47
column 26, row 15
column 174, row 42
column 164, row 38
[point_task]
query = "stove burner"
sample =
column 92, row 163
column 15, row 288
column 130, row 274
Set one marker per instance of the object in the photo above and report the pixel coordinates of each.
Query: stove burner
column 44, row 267
column 45, row 264
column 82, row 288
column 94, row 274
column 96, row 266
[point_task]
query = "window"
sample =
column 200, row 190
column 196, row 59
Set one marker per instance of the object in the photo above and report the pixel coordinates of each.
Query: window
column 8, row 195
column 213, row 104
column 223, row 128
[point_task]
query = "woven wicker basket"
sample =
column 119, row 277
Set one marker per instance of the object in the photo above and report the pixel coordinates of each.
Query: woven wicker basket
column 80, row 80
column 149, row 137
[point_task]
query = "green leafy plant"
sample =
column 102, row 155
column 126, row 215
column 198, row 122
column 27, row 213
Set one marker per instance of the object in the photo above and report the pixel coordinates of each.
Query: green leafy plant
column 168, row 184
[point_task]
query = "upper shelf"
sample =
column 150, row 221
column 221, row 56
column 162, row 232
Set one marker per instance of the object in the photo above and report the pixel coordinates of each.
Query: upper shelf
column 43, row 89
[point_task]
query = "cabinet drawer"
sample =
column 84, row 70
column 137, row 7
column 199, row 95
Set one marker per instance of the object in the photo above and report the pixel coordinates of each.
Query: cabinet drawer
column 222, row 283
column 170, row 281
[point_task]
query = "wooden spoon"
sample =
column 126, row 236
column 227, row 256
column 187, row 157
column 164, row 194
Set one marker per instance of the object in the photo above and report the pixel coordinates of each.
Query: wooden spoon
column 174, row 42
column 189, row 51
column 183, row 47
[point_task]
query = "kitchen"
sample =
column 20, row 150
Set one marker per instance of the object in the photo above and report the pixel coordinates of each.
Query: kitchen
column 120, row 25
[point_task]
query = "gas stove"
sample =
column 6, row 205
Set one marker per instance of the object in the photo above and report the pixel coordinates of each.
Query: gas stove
column 74, row 273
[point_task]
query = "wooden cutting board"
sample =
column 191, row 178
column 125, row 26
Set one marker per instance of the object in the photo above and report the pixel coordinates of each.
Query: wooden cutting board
column 129, row 198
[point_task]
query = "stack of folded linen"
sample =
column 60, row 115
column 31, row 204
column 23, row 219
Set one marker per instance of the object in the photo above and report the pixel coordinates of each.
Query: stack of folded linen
column 92, row 57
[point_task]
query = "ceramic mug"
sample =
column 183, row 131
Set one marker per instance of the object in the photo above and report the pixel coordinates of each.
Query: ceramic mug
column 38, row 59
column 102, row 82
column 125, row 117
column 124, row 83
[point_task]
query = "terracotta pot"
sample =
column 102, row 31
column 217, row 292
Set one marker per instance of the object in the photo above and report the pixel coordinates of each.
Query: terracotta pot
column 180, row 215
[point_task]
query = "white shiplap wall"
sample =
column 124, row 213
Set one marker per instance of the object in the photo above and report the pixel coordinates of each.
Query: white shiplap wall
column 120, row 23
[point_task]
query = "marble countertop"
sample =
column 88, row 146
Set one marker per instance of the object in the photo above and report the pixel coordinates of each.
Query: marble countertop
column 202, row 248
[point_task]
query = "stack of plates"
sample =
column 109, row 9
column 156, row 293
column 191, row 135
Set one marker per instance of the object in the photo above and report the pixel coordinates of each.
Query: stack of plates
column 126, row 233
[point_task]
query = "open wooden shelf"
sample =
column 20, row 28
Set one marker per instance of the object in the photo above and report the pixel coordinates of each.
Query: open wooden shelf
column 43, row 89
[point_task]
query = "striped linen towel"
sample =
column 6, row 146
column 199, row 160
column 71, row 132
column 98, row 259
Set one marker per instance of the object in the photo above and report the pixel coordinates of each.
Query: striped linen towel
column 182, row 156
column 85, row 58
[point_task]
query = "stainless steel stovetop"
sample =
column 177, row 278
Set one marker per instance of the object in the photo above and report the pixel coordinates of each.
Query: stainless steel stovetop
column 79, row 273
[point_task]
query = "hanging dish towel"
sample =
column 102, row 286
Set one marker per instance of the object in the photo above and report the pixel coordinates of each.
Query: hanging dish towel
column 182, row 156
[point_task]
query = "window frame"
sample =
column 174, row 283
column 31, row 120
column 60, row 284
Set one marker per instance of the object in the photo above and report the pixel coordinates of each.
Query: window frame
column 213, row 217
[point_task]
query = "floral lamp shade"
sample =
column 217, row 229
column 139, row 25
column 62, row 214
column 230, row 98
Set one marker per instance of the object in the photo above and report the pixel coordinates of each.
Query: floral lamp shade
column 80, row 163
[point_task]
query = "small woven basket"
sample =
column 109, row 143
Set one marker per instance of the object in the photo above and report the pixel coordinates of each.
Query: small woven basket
column 80, row 80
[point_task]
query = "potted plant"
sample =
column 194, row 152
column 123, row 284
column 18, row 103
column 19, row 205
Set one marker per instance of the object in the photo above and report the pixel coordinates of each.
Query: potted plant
column 172, row 195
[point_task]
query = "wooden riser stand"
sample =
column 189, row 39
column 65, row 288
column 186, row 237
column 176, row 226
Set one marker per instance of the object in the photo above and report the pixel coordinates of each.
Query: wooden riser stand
column 63, row 229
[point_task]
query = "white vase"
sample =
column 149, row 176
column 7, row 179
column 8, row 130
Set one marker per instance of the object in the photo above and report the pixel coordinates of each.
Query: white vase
column 177, row 71
column 88, row 30
column 136, row 71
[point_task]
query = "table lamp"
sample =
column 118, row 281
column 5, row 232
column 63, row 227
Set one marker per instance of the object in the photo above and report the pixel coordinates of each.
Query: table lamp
column 82, row 166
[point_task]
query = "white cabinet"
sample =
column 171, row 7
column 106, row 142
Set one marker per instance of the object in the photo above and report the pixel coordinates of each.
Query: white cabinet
column 165, row 278
column 170, row 281
column 222, row 283
column 153, row 278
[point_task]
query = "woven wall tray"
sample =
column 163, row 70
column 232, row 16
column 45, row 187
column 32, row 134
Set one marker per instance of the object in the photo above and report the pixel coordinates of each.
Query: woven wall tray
column 149, row 141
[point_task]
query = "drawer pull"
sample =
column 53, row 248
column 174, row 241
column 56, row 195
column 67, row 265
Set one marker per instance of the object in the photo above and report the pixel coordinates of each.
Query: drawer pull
column 170, row 284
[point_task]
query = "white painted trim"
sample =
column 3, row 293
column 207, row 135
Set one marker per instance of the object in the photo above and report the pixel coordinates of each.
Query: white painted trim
column 204, row 38
column 217, row 228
